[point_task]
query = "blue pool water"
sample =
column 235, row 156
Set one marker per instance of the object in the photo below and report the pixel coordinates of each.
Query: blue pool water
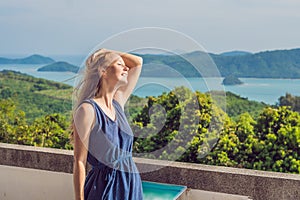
column 161, row 191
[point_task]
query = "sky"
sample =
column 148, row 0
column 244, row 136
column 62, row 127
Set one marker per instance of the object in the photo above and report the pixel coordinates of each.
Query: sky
column 75, row 27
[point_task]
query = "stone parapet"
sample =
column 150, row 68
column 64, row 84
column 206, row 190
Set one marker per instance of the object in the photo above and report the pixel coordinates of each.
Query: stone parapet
column 259, row 185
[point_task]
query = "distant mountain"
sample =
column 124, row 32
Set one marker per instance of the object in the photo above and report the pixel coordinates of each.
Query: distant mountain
column 59, row 67
column 268, row 64
column 33, row 59
column 235, row 53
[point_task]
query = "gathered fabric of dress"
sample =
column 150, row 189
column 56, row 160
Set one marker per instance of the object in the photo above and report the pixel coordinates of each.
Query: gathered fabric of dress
column 114, row 174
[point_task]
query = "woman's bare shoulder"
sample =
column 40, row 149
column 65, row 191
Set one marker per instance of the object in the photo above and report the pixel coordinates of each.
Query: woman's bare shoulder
column 85, row 109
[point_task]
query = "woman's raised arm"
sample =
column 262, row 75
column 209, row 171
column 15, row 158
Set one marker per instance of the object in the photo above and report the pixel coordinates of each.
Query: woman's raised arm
column 134, row 63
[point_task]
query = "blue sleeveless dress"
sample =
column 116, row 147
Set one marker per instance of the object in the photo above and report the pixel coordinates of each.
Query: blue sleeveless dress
column 114, row 174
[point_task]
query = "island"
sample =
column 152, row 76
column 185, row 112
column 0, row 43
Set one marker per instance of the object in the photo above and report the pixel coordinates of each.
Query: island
column 59, row 67
column 231, row 80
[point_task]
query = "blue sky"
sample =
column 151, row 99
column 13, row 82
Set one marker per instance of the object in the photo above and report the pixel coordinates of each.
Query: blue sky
column 77, row 26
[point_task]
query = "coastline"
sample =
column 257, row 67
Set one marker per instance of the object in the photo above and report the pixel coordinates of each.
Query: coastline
column 266, row 90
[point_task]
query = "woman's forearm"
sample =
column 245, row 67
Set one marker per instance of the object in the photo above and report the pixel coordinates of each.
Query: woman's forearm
column 129, row 59
column 78, row 180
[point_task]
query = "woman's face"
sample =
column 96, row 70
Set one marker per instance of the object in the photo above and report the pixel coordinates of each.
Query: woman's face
column 117, row 72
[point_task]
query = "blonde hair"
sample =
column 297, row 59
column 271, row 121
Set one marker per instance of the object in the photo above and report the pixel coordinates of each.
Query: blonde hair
column 89, row 85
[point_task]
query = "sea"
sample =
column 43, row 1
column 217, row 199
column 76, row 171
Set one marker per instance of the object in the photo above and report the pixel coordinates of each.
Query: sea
column 265, row 90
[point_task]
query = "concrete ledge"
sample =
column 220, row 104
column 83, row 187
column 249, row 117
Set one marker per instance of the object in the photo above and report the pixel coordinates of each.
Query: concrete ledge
column 36, row 157
column 255, row 184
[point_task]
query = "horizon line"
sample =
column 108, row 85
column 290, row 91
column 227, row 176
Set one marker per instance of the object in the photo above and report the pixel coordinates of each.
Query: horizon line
column 183, row 52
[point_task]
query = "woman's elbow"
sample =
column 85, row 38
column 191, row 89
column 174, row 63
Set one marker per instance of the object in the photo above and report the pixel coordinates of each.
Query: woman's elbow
column 140, row 61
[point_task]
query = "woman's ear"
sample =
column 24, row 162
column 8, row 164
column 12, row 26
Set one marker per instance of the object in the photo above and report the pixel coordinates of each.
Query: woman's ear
column 102, row 72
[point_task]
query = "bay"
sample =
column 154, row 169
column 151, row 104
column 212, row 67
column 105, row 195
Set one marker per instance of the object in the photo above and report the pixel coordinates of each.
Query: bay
column 258, row 89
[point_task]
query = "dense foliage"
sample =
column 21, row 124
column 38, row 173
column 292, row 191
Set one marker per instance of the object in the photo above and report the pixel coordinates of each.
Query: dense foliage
column 271, row 142
column 179, row 125
column 45, row 131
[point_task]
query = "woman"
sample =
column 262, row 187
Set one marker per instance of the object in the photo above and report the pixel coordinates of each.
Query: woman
column 101, row 133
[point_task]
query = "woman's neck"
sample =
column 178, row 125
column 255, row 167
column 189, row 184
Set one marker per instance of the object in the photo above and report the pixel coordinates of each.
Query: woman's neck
column 105, row 96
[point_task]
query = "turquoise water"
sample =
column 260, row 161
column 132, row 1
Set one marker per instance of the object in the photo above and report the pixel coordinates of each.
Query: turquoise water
column 258, row 89
column 160, row 191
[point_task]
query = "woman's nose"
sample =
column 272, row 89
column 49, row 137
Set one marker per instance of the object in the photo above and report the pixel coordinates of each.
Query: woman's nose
column 126, row 68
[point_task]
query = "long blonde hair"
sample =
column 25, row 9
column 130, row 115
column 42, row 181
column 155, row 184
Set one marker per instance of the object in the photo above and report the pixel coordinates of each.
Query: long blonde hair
column 89, row 79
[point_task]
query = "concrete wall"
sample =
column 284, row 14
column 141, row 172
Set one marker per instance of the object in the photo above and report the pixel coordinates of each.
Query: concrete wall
column 256, row 184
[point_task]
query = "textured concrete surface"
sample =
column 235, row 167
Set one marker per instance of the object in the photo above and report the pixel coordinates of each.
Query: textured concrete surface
column 23, row 183
column 259, row 185
column 36, row 157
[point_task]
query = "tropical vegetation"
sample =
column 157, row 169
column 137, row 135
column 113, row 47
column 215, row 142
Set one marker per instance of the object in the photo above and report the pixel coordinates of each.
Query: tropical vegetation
column 209, row 128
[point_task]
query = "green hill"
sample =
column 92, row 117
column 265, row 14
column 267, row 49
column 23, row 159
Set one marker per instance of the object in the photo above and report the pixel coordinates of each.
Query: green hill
column 36, row 96
column 235, row 105
column 59, row 67
column 268, row 64
column 33, row 59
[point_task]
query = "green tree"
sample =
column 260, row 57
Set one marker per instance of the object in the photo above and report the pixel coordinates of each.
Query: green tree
column 13, row 124
column 50, row 131
column 278, row 129
column 179, row 125
column 46, row 131
column 291, row 101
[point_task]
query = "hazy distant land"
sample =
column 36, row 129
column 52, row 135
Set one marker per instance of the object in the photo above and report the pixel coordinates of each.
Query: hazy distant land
column 59, row 67
column 267, row 64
